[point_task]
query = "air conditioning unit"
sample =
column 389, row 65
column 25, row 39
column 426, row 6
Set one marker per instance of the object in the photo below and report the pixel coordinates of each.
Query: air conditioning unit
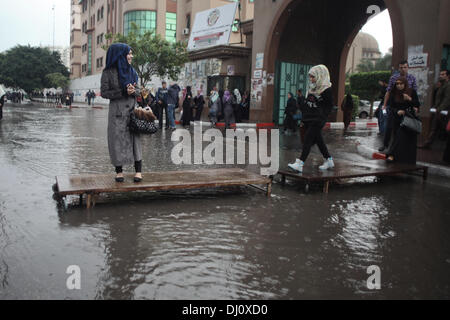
column 186, row 31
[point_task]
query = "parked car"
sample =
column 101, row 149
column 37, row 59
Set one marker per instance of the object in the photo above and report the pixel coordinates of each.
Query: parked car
column 364, row 108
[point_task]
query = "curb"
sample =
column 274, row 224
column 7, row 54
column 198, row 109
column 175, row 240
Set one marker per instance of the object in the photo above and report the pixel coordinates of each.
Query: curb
column 433, row 169
column 357, row 125
column 237, row 125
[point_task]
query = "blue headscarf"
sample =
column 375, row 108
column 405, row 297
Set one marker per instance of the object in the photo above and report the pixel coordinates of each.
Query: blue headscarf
column 116, row 57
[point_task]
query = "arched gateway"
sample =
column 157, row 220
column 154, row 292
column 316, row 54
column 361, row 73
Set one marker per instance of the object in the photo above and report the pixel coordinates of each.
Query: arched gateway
column 292, row 35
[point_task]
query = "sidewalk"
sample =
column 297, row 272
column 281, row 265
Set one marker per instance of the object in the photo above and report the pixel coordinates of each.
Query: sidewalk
column 432, row 158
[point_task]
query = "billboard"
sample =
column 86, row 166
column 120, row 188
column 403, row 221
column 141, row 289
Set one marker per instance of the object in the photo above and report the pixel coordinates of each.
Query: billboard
column 212, row 27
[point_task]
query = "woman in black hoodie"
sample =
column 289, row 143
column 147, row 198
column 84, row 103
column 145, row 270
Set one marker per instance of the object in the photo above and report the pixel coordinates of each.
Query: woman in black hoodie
column 315, row 110
column 290, row 111
column 187, row 107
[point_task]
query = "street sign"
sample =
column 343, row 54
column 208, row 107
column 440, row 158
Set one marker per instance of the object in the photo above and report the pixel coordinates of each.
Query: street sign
column 212, row 27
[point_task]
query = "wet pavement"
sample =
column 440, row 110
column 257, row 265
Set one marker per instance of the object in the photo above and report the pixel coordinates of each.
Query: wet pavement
column 231, row 243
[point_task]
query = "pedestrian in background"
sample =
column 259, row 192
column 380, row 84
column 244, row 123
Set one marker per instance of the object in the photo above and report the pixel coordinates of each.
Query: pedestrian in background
column 442, row 106
column 214, row 105
column 412, row 83
column 403, row 102
column 188, row 102
column 347, row 108
column 88, row 97
column 2, row 101
column 315, row 111
column 119, row 85
column 289, row 112
column 228, row 111
column 199, row 102
column 173, row 97
column 238, row 110
column 161, row 100
column 246, row 106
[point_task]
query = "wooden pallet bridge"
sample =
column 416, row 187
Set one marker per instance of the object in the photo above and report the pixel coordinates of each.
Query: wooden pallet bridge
column 349, row 170
column 91, row 186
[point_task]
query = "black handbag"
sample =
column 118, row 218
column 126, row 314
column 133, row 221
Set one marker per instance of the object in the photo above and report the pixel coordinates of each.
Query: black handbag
column 139, row 126
column 412, row 122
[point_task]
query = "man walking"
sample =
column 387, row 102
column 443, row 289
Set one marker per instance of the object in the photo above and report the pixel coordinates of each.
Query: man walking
column 161, row 102
column 172, row 101
column 403, row 72
column 442, row 106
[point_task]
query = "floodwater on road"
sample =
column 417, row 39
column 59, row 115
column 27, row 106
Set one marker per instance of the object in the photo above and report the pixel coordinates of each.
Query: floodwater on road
column 231, row 243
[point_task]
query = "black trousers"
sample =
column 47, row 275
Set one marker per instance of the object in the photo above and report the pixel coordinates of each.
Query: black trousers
column 198, row 113
column 162, row 108
column 438, row 123
column 137, row 167
column 314, row 136
column 394, row 121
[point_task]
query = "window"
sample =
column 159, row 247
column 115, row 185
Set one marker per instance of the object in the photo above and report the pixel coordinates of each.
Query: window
column 188, row 21
column 236, row 25
column 145, row 21
column 99, row 63
column 99, row 39
column 89, row 51
column 171, row 27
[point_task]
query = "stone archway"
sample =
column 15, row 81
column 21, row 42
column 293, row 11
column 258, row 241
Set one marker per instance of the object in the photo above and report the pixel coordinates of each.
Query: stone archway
column 327, row 43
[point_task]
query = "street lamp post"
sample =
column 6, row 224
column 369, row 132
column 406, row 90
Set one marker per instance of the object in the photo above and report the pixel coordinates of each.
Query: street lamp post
column 53, row 8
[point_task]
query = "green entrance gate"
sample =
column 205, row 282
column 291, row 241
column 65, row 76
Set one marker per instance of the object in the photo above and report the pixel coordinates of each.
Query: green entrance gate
column 445, row 65
column 289, row 78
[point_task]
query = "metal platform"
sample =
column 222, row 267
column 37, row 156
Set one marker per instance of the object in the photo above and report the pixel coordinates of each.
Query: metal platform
column 348, row 170
column 93, row 185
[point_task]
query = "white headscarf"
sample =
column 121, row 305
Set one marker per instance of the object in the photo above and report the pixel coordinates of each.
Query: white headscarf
column 214, row 96
column 322, row 76
column 238, row 96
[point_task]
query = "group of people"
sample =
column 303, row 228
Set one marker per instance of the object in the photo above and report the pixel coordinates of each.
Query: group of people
column 90, row 97
column 400, row 101
column 231, row 106
column 119, row 85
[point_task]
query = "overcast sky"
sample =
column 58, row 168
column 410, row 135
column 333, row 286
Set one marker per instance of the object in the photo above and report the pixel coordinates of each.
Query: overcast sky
column 31, row 22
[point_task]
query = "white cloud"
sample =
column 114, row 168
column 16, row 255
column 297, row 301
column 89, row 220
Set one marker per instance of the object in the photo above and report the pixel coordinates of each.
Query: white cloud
column 31, row 22
column 381, row 28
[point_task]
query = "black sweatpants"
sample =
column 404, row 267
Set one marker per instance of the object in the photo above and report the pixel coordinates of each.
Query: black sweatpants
column 314, row 136
column 162, row 108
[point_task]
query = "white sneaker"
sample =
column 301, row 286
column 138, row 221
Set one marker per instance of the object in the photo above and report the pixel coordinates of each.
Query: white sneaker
column 328, row 164
column 297, row 166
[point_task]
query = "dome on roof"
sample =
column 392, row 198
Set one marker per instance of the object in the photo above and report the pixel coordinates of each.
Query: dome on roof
column 367, row 41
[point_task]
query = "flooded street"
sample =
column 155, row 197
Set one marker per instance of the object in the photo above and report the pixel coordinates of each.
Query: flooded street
column 228, row 243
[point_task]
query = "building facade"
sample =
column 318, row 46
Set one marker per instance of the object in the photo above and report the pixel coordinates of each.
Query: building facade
column 93, row 19
column 172, row 19
column 364, row 47
column 292, row 35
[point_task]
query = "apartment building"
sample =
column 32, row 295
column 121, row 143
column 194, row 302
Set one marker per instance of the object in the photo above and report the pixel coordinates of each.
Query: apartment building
column 172, row 19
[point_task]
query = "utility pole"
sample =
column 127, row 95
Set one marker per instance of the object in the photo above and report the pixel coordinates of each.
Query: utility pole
column 53, row 8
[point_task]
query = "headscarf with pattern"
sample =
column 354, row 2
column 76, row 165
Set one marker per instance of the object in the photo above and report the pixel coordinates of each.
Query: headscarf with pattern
column 322, row 76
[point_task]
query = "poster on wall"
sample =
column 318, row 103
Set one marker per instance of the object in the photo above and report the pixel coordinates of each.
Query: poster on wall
column 212, row 27
column 418, row 60
column 259, row 61
column 230, row 70
column 257, row 74
column 270, row 79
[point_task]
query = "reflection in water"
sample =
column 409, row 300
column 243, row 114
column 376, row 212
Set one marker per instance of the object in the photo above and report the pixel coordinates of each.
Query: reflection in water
column 210, row 244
